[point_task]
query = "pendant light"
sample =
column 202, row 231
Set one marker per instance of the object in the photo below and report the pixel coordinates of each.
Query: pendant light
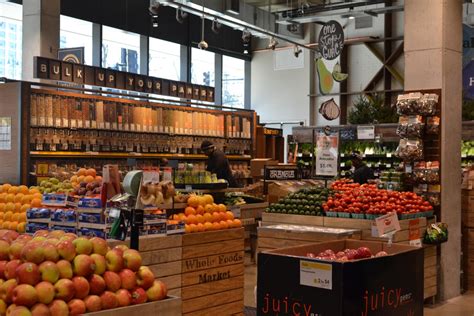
column 202, row 44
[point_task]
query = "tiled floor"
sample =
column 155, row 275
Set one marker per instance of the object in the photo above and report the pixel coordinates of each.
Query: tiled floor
column 461, row 306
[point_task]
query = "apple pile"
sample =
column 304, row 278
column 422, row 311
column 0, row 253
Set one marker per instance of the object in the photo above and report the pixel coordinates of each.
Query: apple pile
column 59, row 274
column 346, row 254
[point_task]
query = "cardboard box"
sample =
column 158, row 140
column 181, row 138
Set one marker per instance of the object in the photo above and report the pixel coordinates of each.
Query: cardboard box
column 289, row 282
column 257, row 165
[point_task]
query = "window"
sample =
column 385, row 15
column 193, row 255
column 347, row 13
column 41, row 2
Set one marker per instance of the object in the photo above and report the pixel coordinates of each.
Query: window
column 164, row 59
column 11, row 16
column 76, row 33
column 120, row 49
column 233, row 82
column 202, row 67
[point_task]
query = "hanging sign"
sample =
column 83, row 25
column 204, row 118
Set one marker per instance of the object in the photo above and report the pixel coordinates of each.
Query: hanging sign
column 281, row 173
column 331, row 40
column 327, row 153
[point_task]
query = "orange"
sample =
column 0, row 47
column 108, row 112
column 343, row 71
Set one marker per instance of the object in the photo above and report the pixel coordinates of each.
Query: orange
column 202, row 201
column 216, row 217
column 2, row 207
column 73, row 179
column 5, row 225
column 208, row 198
column 208, row 226
column 13, row 190
column 10, row 207
column 229, row 215
column 191, row 219
column 24, row 208
column 10, row 197
column 37, row 196
column 89, row 179
column 21, row 227
column 91, row 172
column 200, row 227
column 230, row 223
column 81, row 172
column 199, row 218
column 216, row 226
column 181, row 217
column 36, row 202
column 80, row 179
column 187, row 229
column 23, row 189
column 189, row 211
column 3, row 197
column 6, row 187
column 237, row 223
column 18, row 197
column 193, row 201
column 2, row 215
column 16, row 217
column 98, row 179
column 200, row 209
column 193, row 228
column 18, row 207
column 33, row 191
column 26, row 199
column 8, row 216
column 13, row 225
column 22, row 218
column 224, row 224
column 222, row 208
column 208, row 208
column 175, row 217
column 207, row 217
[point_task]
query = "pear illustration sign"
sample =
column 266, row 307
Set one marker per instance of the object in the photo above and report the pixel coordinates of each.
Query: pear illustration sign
column 331, row 40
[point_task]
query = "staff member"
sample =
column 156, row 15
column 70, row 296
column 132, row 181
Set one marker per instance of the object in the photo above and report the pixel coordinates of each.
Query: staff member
column 362, row 173
column 218, row 163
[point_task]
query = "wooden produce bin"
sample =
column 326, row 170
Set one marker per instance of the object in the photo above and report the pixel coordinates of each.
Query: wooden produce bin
column 250, row 214
column 169, row 306
column 468, row 237
column 467, row 207
column 213, row 273
column 275, row 218
column 283, row 235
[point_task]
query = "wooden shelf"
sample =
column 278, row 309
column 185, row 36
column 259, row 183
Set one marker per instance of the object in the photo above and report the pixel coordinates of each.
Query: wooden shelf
column 79, row 154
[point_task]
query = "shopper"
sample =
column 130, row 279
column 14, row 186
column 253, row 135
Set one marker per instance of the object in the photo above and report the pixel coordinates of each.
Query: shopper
column 218, row 163
column 362, row 173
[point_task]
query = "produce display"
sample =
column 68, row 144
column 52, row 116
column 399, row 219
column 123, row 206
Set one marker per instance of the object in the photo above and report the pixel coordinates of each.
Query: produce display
column 84, row 182
column 154, row 194
column 436, row 234
column 366, row 201
column 191, row 174
column 14, row 203
column 202, row 214
column 58, row 274
column 307, row 201
column 346, row 254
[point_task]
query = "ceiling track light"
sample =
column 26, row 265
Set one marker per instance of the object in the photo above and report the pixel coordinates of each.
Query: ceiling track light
column 272, row 43
column 246, row 36
column 351, row 16
column 216, row 26
column 181, row 15
column 153, row 11
column 297, row 51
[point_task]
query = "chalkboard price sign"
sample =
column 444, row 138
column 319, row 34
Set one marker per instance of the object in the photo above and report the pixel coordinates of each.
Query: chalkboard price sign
column 331, row 40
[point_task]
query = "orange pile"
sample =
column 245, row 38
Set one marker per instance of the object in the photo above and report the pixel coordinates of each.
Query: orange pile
column 85, row 175
column 202, row 214
column 14, row 202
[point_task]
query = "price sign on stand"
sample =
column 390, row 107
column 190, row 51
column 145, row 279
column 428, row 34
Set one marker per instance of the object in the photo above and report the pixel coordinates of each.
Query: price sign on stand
column 414, row 232
column 366, row 132
column 326, row 153
column 316, row 274
column 386, row 226
column 235, row 210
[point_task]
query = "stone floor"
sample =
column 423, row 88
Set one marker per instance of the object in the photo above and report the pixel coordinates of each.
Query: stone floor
column 460, row 306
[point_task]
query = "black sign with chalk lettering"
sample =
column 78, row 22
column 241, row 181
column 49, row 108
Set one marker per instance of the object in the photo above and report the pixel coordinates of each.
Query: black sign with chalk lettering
column 331, row 40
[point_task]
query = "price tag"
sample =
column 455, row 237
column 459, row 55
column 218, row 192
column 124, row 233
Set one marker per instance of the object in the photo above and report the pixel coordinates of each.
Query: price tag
column 414, row 232
column 342, row 155
column 343, row 164
column 188, row 187
column 73, row 123
column 316, row 274
column 366, row 132
column 115, row 213
column 236, row 211
column 369, row 165
column 387, row 224
column 408, row 169
column 389, row 155
column 463, row 156
column 388, row 165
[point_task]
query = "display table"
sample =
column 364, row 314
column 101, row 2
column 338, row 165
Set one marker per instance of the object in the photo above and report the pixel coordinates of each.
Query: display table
column 169, row 306
column 205, row 269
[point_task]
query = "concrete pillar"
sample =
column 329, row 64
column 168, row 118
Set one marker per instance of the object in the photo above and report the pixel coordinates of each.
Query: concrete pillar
column 40, row 32
column 433, row 59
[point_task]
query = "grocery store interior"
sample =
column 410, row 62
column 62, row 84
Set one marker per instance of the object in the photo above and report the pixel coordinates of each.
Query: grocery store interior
column 236, row 157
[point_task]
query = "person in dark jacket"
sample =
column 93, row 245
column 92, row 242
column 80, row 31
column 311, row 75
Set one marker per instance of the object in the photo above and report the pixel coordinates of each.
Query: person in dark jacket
column 218, row 163
column 362, row 173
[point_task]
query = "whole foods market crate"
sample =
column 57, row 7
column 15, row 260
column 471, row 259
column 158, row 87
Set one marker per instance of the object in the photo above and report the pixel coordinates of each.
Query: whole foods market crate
column 290, row 282
column 284, row 235
column 168, row 306
column 213, row 273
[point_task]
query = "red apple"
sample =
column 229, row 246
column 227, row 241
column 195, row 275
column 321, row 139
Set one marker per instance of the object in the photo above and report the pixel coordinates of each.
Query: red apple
column 65, row 269
column 4, row 250
column 97, row 284
column 24, row 295
column 10, row 269
column 145, row 277
column 49, row 271
column 56, row 234
column 157, row 292
column 363, row 252
column 3, row 266
column 124, row 298
column 28, row 273
column 58, row 308
column 138, row 296
column 121, row 247
column 83, row 265
column 93, row 303
column 33, row 252
column 24, row 237
column 109, row 300
column 50, row 252
column 41, row 233
column 83, row 246
column 52, row 241
column 6, row 290
column 66, row 250
column 40, row 309
column 112, row 280
column 81, row 286
column 45, row 291
column 100, row 263
column 20, row 311
column 10, row 309
column 76, row 307
column 3, row 307
column 114, row 260
column 128, row 278
column 70, row 235
column 15, row 249
column 64, row 290
column 99, row 246
column 132, row 259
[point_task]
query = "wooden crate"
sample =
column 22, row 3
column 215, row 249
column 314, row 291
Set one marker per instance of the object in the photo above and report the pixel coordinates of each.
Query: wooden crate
column 213, row 273
column 169, row 306
column 254, row 210
column 467, row 207
column 431, row 272
column 275, row 218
